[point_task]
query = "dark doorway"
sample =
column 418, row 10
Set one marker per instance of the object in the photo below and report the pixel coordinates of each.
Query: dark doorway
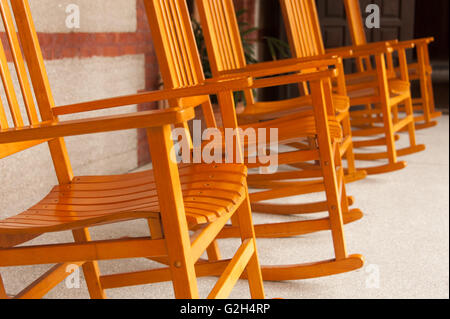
column 432, row 20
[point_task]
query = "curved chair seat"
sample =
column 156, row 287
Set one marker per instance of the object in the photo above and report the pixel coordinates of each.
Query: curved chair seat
column 268, row 110
column 290, row 129
column 414, row 73
column 398, row 89
column 370, row 76
column 209, row 192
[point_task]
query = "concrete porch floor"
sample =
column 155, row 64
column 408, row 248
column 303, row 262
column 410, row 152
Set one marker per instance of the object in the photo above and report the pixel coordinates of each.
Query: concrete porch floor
column 404, row 237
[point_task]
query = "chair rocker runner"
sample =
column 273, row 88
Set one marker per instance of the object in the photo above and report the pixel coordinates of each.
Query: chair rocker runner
column 172, row 199
column 366, row 88
column 420, row 71
column 180, row 66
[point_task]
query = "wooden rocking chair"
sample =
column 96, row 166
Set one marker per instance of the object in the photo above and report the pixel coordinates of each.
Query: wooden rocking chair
column 170, row 198
column 420, row 71
column 226, row 55
column 180, row 66
column 366, row 88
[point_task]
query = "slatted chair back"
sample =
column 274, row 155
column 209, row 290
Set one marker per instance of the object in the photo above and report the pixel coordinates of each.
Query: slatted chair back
column 178, row 57
column 11, row 113
column 303, row 28
column 225, row 35
column 223, row 38
column 304, row 32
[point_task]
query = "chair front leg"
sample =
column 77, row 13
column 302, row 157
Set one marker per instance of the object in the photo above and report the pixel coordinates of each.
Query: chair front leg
column 321, row 93
column 243, row 217
column 176, row 232
column 349, row 154
column 424, row 87
column 408, row 103
column 429, row 82
column 254, row 273
column 383, row 89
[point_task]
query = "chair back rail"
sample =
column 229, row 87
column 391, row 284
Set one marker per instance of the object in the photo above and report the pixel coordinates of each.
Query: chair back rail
column 224, row 34
column 223, row 39
column 303, row 28
column 178, row 59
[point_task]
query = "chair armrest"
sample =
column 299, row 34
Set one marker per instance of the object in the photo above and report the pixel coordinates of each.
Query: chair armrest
column 418, row 41
column 409, row 44
column 209, row 87
column 404, row 45
column 50, row 130
column 147, row 119
column 370, row 45
column 279, row 67
column 363, row 50
column 293, row 79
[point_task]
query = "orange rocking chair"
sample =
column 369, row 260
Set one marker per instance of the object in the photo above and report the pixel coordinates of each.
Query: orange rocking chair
column 180, row 66
column 364, row 88
column 420, row 71
column 171, row 199
column 226, row 55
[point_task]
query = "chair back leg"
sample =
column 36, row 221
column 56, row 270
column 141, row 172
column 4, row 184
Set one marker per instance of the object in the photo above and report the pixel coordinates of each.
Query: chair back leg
column 155, row 228
column 3, row 294
column 90, row 269
column 213, row 252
